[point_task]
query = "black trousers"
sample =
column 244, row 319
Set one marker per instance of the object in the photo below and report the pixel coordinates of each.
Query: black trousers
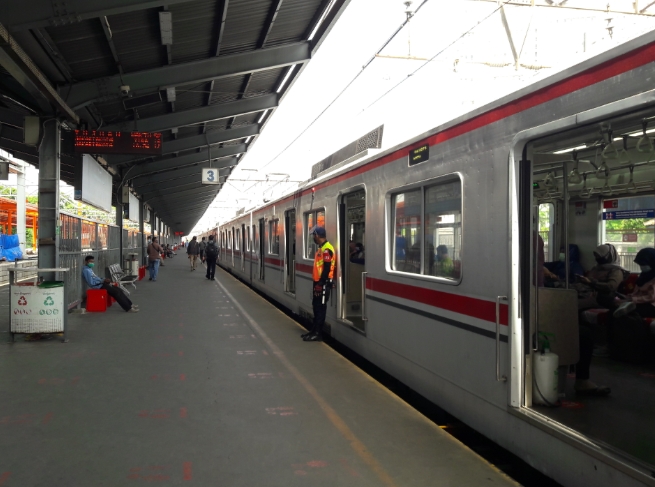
column 319, row 306
column 211, row 268
column 118, row 294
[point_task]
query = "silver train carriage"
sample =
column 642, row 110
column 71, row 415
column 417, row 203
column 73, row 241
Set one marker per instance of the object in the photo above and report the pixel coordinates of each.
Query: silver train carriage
column 444, row 295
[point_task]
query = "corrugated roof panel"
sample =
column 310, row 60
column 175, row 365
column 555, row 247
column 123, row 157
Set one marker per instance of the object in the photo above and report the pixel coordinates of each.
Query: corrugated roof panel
column 264, row 82
column 161, row 108
column 227, row 89
column 138, row 40
column 244, row 24
column 292, row 21
column 85, row 48
column 248, row 119
column 190, row 99
column 194, row 26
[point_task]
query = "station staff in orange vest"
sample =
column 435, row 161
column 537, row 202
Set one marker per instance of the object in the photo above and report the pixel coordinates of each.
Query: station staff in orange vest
column 322, row 275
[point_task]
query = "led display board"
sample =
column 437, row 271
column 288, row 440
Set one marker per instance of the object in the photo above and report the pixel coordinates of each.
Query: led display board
column 102, row 142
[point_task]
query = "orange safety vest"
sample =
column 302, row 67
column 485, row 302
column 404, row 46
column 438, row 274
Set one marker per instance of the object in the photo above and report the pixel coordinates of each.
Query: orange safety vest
column 322, row 256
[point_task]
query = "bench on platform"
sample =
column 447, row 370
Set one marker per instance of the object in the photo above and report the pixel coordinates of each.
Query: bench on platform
column 120, row 278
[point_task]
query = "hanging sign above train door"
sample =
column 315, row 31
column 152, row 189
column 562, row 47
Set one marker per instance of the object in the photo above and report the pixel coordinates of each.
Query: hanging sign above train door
column 210, row 176
column 418, row 155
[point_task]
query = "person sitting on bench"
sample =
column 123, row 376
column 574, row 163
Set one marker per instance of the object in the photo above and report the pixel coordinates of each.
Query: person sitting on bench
column 94, row 282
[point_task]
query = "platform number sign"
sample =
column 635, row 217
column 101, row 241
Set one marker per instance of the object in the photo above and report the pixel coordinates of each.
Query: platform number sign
column 210, row 176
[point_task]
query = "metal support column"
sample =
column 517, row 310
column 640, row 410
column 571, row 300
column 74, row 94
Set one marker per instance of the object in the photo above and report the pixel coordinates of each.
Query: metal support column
column 142, row 243
column 49, row 168
column 20, row 208
column 119, row 223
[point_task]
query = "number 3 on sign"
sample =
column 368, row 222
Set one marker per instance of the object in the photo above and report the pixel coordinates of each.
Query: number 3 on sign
column 210, row 176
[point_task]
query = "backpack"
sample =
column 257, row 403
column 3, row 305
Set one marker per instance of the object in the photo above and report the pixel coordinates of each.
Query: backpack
column 211, row 251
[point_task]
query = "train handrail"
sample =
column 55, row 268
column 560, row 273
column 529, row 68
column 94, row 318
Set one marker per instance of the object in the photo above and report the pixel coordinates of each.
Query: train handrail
column 364, row 317
column 499, row 378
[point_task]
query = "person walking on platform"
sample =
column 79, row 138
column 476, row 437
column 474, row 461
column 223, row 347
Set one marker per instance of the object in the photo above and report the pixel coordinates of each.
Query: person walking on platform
column 192, row 251
column 201, row 247
column 94, row 282
column 322, row 275
column 154, row 254
column 211, row 256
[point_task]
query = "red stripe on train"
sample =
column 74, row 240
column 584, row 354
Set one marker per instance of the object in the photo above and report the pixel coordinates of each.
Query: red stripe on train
column 476, row 308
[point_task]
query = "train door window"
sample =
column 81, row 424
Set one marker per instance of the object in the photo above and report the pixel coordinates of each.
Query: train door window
column 352, row 260
column 407, row 211
column 248, row 241
column 547, row 229
column 273, row 237
column 229, row 240
column 290, row 254
column 237, row 240
column 629, row 225
column 312, row 219
column 443, row 230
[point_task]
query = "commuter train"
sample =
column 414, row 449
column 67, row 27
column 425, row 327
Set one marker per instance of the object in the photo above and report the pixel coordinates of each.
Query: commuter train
column 444, row 295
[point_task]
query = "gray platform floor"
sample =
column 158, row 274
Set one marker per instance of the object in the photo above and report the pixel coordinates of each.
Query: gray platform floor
column 209, row 385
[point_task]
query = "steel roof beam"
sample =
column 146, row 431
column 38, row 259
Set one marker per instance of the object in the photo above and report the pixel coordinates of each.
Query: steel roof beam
column 46, row 13
column 104, row 89
column 188, row 143
column 199, row 115
column 19, row 65
column 272, row 14
column 172, row 195
column 168, row 176
column 172, row 178
column 178, row 162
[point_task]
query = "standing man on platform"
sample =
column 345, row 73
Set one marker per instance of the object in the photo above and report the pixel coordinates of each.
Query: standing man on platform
column 94, row 282
column 211, row 256
column 192, row 251
column 154, row 254
column 322, row 275
column 202, row 246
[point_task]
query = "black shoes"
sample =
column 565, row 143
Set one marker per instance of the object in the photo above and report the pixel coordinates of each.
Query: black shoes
column 208, row 277
column 305, row 334
column 312, row 337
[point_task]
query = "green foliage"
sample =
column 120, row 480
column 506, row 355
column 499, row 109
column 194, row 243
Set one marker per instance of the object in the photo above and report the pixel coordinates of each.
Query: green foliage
column 629, row 224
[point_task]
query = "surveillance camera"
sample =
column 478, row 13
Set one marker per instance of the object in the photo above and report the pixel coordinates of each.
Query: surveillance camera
column 125, row 90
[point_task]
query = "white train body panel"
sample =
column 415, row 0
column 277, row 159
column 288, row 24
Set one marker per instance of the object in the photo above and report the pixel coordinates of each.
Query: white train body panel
column 439, row 337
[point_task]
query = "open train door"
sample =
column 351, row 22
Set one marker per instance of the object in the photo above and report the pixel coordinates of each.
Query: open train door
column 352, row 260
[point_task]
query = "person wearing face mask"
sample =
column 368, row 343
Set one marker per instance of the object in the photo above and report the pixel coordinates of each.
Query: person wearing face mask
column 94, row 282
column 642, row 298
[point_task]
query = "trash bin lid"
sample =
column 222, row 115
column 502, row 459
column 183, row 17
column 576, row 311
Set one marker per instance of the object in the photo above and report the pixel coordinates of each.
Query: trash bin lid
column 51, row 284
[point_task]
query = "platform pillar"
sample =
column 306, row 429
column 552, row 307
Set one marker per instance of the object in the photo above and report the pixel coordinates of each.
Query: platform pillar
column 119, row 223
column 49, row 175
column 21, row 208
column 142, row 243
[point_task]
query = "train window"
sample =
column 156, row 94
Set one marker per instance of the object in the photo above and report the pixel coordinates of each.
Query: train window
column 427, row 225
column 443, row 230
column 313, row 218
column 407, row 228
column 237, row 241
column 547, row 229
column 274, row 237
column 628, row 225
column 248, row 241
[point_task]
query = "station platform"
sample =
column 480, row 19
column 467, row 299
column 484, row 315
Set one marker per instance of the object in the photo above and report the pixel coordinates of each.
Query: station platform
column 209, row 384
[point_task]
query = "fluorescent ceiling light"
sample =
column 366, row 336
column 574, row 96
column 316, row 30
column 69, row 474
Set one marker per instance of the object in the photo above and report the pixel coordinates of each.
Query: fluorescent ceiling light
column 564, row 151
column 170, row 94
column 261, row 119
column 166, row 28
column 320, row 21
column 286, row 78
column 248, row 139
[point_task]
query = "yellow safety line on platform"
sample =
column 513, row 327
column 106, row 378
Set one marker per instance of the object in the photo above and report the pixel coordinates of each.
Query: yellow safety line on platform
column 332, row 415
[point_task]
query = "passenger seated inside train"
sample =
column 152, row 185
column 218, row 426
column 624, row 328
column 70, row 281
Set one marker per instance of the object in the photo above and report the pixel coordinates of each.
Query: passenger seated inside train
column 357, row 253
column 556, row 274
column 642, row 298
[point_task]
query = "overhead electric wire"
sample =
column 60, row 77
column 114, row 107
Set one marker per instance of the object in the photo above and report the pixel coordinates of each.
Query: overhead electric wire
column 436, row 55
column 409, row 17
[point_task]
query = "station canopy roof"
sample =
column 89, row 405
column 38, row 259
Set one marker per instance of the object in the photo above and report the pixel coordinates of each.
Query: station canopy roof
column 207, row 74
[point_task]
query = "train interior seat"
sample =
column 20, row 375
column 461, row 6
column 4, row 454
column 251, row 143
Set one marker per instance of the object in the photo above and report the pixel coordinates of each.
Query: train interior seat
column 593, row 185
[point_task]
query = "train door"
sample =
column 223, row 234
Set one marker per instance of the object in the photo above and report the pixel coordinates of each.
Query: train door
column 290, row 251
column 243, row 247
column 250, row 251
column 586, row 208
column 352, row 258
column 262, row 247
